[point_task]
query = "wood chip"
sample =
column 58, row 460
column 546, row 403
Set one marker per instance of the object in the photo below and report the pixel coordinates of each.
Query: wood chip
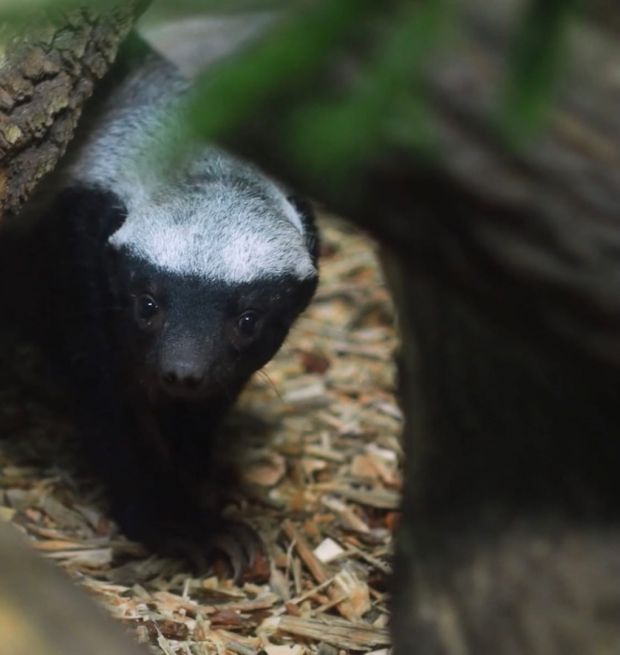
column 284, row 650
column 328, row 550
column 341, row 634
column 345, row 513
column 266, row 471
column 380, row 498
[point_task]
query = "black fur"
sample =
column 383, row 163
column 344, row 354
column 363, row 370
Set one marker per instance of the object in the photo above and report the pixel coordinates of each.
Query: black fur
column 154, row 451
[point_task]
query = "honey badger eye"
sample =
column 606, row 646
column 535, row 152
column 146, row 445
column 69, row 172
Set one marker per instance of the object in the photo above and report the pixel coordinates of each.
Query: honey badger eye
column 146, row 307
column 247, row 323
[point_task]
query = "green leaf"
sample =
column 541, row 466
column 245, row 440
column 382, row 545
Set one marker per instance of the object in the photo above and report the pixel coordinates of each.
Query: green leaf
column 538, row 56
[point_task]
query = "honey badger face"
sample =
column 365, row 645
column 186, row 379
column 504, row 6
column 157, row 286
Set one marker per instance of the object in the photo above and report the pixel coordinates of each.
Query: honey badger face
column 208, row 282
column 190, row 337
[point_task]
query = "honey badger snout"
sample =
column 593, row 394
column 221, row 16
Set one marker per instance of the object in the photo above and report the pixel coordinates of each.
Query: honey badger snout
column 183, row 365
column 182, row 375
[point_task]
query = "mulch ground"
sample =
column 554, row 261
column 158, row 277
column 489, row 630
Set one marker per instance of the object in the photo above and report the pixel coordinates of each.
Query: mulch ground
column 321, row 469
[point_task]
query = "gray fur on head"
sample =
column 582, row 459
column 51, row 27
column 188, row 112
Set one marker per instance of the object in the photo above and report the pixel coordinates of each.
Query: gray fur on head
column 217, row 217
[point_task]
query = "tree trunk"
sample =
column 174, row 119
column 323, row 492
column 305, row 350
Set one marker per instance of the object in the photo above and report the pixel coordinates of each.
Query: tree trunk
column 509, row 541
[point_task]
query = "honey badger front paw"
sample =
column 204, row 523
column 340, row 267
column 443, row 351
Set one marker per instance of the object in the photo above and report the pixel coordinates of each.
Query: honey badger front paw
column 198, row 537
column 203, row 544
column 243, row 548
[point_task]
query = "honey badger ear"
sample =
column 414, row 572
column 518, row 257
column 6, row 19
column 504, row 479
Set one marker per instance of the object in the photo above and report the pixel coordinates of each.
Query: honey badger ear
column 91, row 211
column 305, row 212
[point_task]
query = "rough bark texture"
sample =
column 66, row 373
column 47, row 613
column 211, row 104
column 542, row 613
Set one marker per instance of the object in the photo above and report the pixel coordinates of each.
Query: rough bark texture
column 42, row 612
column 45, row 78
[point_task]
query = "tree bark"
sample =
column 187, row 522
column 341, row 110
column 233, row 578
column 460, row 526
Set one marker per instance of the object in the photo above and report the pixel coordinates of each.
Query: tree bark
column 45, row 79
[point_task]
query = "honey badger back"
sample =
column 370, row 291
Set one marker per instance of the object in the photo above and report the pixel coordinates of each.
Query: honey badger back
column 166, row 290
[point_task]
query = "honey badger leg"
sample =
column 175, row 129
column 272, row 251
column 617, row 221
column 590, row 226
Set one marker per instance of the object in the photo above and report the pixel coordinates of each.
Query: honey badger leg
column 152, row 493
column 197, row 481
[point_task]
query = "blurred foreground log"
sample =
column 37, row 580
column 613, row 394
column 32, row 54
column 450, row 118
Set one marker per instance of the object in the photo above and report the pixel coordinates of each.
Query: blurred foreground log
column 43, row 613
column 505, row 264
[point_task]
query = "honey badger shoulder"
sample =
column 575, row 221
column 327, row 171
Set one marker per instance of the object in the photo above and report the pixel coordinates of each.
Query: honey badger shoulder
column 175, row 287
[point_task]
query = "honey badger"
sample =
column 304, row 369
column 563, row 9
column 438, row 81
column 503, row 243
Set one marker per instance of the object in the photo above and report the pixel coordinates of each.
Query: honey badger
column 164, row 291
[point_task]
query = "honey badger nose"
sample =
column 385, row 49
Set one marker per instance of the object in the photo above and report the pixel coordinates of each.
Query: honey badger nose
column 183, row 363
column 182, row 376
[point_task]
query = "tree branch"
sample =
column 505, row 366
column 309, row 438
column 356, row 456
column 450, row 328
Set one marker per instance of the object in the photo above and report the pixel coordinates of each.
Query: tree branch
column 45, row 79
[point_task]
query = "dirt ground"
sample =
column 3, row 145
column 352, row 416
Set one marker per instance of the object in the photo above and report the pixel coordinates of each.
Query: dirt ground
column 321, row 466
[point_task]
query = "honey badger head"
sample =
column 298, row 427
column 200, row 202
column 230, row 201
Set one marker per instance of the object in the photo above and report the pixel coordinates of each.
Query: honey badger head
column 207, row 265
column 208, row 275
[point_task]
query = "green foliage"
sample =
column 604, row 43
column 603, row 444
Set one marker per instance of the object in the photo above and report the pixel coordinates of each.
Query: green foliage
column 24, row 12
column 538, row 55
column 328, row 131
column 329, row 128
column 292, row 54
column 386, row 107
